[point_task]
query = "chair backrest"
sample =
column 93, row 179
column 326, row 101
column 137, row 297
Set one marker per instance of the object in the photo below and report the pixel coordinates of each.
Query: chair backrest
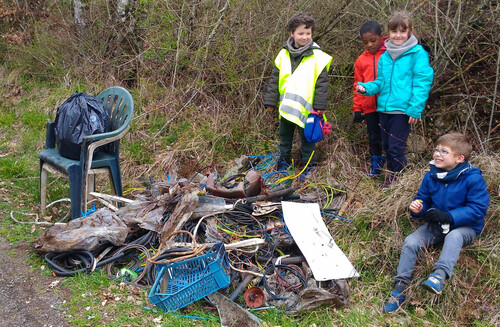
column 120, row 106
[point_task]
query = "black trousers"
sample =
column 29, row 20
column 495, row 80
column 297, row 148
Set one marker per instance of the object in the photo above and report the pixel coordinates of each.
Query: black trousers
column 286, row 132
column 374, row 137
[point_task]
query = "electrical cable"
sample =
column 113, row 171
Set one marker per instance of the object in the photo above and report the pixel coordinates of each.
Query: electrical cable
column 123, row 249
column 281, row 180
column 70, row 263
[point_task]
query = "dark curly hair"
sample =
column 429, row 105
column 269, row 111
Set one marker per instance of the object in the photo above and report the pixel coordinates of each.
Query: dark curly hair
column 300, row 19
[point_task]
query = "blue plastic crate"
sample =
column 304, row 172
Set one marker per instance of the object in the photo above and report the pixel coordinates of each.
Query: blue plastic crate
column 182, row 283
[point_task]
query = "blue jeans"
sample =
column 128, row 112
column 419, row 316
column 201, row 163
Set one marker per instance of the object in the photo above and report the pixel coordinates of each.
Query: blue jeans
column 424, row 237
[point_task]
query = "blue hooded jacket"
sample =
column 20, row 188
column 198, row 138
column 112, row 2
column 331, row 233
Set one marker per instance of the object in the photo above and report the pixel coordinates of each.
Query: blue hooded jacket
column 402, row 84
column 461, row 192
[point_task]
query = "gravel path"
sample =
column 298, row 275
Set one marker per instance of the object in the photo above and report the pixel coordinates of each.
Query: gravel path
column 28, row 298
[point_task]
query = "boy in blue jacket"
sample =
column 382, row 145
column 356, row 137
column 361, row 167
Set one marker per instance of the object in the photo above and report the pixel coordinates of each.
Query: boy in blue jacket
column 453, row 201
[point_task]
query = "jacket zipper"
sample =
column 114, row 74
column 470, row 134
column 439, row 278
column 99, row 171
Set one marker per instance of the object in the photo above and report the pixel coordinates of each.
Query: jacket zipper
column 390, row 84
column 444, row 195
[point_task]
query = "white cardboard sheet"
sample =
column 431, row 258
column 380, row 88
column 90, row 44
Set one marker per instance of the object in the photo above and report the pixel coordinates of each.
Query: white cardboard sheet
column 326, row 259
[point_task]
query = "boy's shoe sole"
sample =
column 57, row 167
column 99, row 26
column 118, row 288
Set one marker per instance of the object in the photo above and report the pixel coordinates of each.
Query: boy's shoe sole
column 433, row 284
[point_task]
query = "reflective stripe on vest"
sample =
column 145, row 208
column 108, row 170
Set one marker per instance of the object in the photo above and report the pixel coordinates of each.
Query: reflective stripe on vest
column 297, row 88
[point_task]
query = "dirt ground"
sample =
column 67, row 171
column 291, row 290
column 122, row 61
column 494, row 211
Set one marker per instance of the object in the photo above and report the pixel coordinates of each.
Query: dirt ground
column 28, row 298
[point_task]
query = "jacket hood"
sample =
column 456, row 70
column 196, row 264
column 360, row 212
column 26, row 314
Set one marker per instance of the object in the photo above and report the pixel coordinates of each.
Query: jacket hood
column 464, row 168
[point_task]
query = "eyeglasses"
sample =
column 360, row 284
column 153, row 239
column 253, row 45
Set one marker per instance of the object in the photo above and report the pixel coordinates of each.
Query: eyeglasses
column 442, row 152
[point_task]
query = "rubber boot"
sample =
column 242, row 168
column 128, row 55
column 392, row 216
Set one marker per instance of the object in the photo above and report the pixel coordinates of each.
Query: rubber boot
column 302, row 177
column 283, row 165
column 377, row 163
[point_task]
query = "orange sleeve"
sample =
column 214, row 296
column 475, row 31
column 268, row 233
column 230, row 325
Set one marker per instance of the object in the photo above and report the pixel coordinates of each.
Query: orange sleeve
column 358, row 77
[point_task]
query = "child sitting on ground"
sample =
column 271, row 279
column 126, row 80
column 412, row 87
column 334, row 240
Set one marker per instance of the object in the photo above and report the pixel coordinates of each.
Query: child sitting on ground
column 298, row 85
column 453, row 201
column 365, row 108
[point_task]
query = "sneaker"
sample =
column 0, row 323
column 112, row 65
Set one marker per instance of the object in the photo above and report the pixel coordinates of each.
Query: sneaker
column 434, row 283
column 302, row 177
column 394, row 303
column 282, row 165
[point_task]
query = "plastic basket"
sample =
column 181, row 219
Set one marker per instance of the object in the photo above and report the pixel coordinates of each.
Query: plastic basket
column 182, row 283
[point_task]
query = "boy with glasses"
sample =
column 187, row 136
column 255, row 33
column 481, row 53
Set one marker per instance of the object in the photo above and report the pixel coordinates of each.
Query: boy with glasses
column 453, row 201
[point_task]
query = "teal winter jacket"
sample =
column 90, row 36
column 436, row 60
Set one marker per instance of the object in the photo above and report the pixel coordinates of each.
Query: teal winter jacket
column 402, row 84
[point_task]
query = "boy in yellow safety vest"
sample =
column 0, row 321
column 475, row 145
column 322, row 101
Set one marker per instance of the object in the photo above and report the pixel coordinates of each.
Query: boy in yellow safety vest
column 298, row 85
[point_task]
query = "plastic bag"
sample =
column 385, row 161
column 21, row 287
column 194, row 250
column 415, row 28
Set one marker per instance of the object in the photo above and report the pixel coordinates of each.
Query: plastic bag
column 79, row 116
column 85, row 233
column 312, row 129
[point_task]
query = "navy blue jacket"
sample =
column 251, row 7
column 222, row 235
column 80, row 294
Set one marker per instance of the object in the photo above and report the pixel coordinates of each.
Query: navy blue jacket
column 461, row 192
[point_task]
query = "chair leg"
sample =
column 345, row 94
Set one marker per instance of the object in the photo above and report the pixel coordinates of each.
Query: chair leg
column 90, row 188
column 116, row 178
column 91, row 183
column 43, row 189
column 75, row 190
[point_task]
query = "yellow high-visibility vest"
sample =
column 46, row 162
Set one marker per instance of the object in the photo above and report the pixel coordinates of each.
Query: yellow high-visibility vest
column 297, row 89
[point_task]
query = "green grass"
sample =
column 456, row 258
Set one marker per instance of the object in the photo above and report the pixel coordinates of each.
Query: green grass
column 206, row 141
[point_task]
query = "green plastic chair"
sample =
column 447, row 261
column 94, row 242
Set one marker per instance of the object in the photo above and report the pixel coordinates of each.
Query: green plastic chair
column 119, row 104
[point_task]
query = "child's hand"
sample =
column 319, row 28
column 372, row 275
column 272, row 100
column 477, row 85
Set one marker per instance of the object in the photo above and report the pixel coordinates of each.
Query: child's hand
column 412, row 120
column 360, row 89
column 416, row 206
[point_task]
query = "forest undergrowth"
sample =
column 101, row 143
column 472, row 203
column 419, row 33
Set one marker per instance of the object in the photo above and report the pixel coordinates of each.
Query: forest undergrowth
column 197, row 71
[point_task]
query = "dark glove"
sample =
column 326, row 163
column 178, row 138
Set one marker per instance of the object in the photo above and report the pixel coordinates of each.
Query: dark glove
column 358, row 117
column 435, row 228
column 437, row 216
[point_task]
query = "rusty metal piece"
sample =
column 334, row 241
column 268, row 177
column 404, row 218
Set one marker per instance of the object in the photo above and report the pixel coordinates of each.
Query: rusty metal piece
column 254, row 188
column 255, row 183
column 236, row 192
column 254, row 297
column 271, row 195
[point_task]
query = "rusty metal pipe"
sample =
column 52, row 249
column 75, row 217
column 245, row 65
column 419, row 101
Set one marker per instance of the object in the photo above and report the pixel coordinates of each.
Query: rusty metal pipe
column 244, row 283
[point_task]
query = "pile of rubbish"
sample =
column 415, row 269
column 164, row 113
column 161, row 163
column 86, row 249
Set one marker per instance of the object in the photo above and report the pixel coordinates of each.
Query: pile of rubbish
column 248, row 240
